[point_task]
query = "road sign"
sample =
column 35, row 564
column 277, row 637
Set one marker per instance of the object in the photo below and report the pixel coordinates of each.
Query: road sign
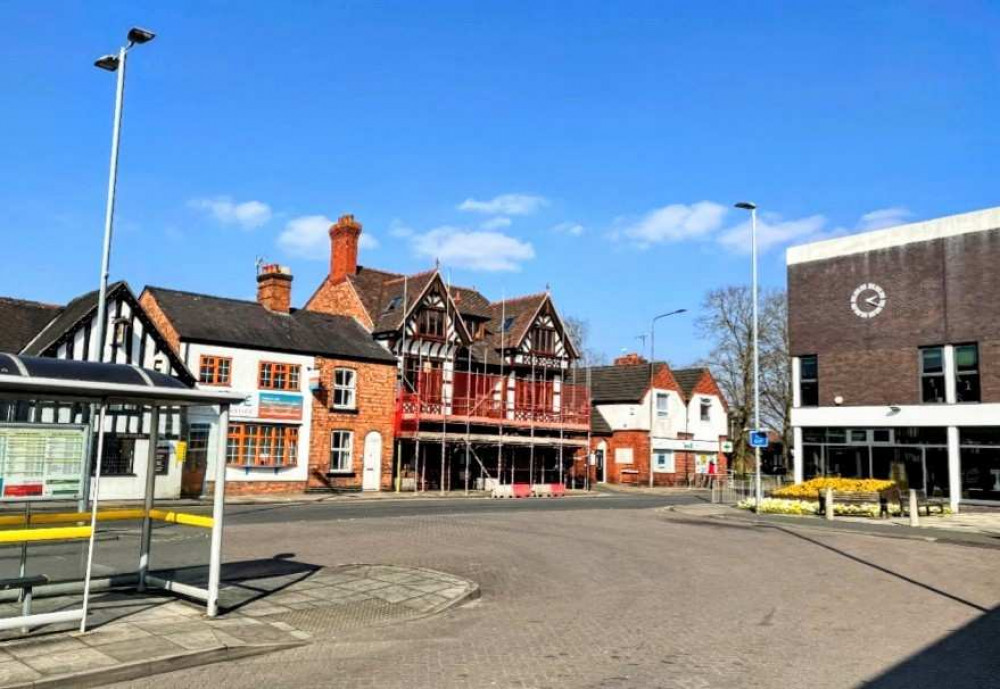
column 758, row 439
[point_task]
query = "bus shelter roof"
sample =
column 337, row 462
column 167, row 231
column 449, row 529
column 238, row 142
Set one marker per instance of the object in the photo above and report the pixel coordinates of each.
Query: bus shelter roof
column 67, row 380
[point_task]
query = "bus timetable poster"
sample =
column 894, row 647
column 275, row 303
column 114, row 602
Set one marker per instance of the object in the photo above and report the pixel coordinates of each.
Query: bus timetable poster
column 42, row 462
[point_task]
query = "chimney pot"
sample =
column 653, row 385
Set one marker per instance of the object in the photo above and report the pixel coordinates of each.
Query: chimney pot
column 274, row 288
column 630, row 359
column 344, row 236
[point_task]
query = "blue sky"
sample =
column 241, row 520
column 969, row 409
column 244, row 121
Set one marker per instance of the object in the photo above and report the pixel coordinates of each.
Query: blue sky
column 596, row 147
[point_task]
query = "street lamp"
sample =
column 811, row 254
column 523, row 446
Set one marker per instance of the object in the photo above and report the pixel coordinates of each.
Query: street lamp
column 113, row 63
column 752, row 207
column 652, row 376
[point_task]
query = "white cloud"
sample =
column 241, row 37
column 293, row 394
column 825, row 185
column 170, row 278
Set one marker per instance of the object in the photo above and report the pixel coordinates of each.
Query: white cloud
column 773, row 231
column 473, row 249
column 571, row 228
column 496, row 223
column 506, row 204
column 308, row 236
column 676, row 222
column 397, row 228
column 248, row 214
column 884, row 217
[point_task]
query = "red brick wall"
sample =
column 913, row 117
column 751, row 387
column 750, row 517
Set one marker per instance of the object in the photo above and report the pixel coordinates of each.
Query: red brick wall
column 235, row 488
column 684, row 462
column 340, row 299
column 162, row 323
column 376, row 389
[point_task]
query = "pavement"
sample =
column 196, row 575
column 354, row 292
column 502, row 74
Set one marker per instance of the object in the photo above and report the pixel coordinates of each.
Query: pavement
column 267, row 606
column 609, row 593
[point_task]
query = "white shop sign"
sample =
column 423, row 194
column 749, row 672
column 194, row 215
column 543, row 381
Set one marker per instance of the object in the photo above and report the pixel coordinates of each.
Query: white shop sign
column 685, row 445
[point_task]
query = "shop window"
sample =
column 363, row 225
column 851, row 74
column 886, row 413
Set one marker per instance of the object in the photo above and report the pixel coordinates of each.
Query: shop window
column 430, row 323
column 341, row 451
column 858, row 436
column 662, row 400
column 119, row 455
column 706, row 410
column 921, row 436
column 984, row 435
column 980, row 473
column 214, row 370
column 932, row 375
column 967, row 373
column 262, row 445
column 344, row 388
column 663, row 461
column 809, row 381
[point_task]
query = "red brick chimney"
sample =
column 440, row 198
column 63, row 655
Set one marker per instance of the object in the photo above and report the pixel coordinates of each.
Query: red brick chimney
column 630, row 359
column 274, row 288
column 344, row 237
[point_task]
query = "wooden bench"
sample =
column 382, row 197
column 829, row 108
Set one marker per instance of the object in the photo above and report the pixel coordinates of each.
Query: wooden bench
column 856, row 498
column 924, row 502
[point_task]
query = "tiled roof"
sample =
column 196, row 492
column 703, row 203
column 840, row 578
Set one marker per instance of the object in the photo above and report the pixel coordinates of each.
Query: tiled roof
column 623, row 383
column 74, row 312
column 687, row 378
column 218, row 320
column 21, row 321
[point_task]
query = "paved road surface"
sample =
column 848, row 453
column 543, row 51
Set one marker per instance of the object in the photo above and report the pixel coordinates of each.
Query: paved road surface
column 581, row 595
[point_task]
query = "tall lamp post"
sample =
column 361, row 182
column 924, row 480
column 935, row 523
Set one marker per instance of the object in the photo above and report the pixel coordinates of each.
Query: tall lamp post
column 652, row 376
column 752, row 207
column 113, row 63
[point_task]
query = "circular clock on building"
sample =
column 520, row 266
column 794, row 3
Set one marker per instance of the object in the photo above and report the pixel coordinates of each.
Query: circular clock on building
column 868, row 300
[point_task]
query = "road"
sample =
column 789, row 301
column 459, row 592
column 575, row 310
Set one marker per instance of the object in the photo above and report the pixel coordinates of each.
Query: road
column 617, row 592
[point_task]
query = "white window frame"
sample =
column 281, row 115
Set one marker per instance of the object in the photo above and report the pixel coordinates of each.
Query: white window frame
column 665, row 411
column 669, row 467
column 344, row 454
column 349, row 389
column 705, row 409
column 623, row 455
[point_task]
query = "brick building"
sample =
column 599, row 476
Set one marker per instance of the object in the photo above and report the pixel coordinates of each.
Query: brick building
column 651, row 417
column 895, row 338
column 483, row 397
column 319, row 392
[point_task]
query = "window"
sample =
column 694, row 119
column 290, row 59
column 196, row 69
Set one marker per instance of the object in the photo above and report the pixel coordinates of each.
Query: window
column 543, row 340
column 623, row 455
column 262, row 445
column 119, row 453
column 393, row 304
column 278, row 376
column 706, row 409
column 932, row 375
column 663, row 461
column 341, row 451
column 214, row 370
column 967, row 373
column 344, row 388
column 508, row 323
column 430, row 323
column 857, row 436
column 662, row 399
column 809, row 381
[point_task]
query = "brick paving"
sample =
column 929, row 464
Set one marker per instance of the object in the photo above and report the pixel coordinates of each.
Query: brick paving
column 632, row 598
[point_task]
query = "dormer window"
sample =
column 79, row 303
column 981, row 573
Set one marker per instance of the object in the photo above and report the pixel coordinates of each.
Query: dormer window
column 543, row 340
column 430, row 323
column 393, row 304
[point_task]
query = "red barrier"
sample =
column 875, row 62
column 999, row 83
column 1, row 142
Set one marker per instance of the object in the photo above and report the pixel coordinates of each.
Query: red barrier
column 558, row 490
column 522, row 490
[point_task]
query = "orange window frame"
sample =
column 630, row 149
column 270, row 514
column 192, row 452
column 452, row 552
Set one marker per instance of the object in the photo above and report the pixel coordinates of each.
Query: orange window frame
column 219, row 369
column 275, row 376
column 262, row 445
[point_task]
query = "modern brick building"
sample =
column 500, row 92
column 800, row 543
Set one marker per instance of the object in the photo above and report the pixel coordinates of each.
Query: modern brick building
column 895, row 339
column 483, row 398
column 319, row 392
column 651, row 418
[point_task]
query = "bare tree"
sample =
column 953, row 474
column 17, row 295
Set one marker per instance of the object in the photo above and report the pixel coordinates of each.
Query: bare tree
column 727, row 322
column 578, row 331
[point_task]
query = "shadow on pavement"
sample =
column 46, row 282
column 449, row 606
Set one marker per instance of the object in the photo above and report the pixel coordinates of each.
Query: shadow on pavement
column 247, row 581
column 966, row 659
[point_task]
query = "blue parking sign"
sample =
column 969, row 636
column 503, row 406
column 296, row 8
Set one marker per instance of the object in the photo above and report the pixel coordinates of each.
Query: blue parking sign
column 758, row 439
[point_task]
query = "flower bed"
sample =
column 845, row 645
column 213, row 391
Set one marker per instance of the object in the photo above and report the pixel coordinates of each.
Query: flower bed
column 810, row 489
column 792, row 506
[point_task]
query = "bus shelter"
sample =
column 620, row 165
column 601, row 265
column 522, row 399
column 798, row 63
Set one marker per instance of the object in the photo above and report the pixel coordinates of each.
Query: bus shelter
column 103, row 385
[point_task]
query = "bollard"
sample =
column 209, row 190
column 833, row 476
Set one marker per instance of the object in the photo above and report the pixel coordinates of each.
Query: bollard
column 829, row 504
column 914, row 515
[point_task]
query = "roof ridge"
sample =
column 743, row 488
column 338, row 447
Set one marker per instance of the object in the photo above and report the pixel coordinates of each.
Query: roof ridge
column 209, row 296
column 411, row 276
column 30, row 302
column 521, row 298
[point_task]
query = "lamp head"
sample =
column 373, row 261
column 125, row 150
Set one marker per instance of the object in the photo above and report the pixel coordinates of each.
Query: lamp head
column 138, row 36
column 108, row 62
column 746, row 205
